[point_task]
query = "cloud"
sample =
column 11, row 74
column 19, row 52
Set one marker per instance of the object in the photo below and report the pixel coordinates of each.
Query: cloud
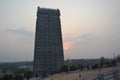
column 88, row 35
column 21, row 31
column 87, row 38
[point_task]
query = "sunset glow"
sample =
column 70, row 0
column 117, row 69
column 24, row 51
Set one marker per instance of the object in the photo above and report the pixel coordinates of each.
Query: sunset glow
column 67, row 45
column 66, row 48
column 90, row 28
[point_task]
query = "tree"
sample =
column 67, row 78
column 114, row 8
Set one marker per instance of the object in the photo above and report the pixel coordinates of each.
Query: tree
column 118, row 58
column 73, row 67
column 4, row 71
column 102, row 61
column 28, row 74
column 7, row 77
column 80, row 66
column 64, row 68
column 18, row 77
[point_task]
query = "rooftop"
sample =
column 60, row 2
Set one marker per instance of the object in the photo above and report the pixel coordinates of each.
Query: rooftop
column 49, row 11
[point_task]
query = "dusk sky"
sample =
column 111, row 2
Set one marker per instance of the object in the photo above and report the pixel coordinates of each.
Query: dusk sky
column 90, row 28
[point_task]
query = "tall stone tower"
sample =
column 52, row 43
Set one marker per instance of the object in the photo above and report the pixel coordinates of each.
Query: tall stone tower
column 48, row 52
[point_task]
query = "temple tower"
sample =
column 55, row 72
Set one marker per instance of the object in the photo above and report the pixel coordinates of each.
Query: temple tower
column 48, row 51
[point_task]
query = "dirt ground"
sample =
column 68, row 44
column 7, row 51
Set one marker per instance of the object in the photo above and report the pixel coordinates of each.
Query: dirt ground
column 87, row 75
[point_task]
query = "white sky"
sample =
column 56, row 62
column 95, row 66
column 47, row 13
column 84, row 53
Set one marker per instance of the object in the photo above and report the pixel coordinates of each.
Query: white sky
column 90, row 28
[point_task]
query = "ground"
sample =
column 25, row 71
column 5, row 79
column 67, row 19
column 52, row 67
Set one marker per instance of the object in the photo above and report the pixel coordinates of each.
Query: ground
column 87, row 75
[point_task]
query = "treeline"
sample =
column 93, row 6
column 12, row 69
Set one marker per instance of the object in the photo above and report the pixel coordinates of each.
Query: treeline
column 13, row 66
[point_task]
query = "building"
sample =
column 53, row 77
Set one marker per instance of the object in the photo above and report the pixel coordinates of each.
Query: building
column 83, row 62
column 48, row 52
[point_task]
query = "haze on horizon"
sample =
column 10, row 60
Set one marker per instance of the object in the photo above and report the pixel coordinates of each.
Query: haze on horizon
column 90, row 28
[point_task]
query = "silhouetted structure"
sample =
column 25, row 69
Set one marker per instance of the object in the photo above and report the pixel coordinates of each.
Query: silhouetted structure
column 48, row 55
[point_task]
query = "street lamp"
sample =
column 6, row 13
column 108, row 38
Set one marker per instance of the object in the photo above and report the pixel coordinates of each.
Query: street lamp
column 68, row 67
column 115, row 62
column 99, row 65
